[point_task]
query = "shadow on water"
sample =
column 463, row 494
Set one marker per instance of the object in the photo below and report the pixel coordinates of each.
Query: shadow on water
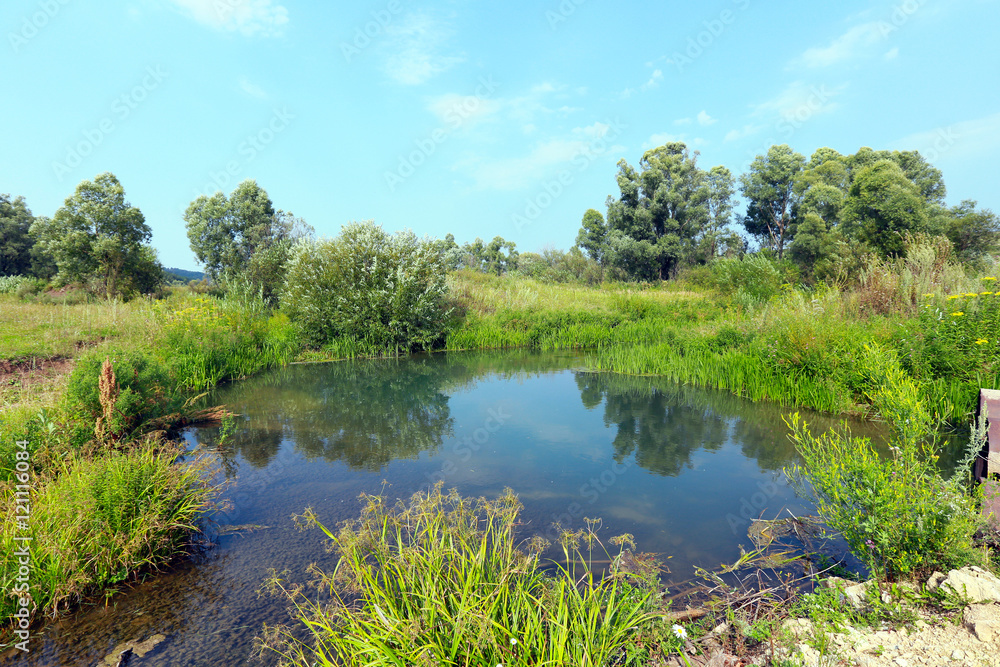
column 683, row 469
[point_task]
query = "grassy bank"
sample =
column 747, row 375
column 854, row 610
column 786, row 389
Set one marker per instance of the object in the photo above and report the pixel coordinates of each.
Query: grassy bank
column 107, row 492
column 793, row 347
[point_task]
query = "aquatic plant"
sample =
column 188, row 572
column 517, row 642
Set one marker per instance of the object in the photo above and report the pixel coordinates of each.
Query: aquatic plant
column 441, row 580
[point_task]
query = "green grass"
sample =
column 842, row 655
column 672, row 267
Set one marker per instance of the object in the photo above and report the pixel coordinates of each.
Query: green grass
column 98, row 522
column 441, row 580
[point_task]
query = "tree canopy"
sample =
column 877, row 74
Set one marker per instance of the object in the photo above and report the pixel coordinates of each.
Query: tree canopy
column 99, row 238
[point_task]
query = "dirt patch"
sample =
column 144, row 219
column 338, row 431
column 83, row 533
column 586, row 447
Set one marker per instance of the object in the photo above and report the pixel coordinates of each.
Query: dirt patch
column 24, row 373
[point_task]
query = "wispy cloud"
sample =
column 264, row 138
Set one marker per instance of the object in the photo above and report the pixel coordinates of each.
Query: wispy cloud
column 248, row 17
column 661, row 138
column 653, row 82
column 799, row 99
column 704, row 119
column 740, row 132
column 892, row 53
column 412, row 49
column 976, row 138
column 544, row 158
column 856, row 41
column 252, row 89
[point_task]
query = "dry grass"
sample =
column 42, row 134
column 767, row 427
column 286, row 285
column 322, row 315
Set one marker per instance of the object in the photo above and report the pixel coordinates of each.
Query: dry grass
column 39, row 341
column 485, row 294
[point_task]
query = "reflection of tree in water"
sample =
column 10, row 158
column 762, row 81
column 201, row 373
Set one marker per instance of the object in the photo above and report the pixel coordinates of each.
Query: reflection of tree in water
column 654, row 422
column 662, row 422
column 365, row 413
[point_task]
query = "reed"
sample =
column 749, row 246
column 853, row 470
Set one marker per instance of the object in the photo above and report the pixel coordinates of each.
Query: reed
column 441, row 580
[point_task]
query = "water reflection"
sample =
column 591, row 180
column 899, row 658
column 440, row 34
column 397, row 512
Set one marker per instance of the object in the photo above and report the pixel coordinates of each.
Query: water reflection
column 369, row 413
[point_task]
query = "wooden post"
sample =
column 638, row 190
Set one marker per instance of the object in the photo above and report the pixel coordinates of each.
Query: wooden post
column 986, row 468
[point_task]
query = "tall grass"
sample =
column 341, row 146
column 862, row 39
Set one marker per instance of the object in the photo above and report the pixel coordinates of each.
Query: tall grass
column 440, row 580
column 100, row 521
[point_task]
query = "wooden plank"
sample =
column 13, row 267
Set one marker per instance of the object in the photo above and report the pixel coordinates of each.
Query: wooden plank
column 986, row 468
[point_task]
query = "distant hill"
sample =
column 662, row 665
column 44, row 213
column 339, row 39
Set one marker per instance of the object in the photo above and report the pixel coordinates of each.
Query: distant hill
column 181, row 274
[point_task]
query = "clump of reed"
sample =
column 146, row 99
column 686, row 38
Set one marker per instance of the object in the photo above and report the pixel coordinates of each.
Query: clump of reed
column 442, row 580
column 101, row 520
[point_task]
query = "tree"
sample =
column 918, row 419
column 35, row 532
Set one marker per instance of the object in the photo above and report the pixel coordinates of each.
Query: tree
column 882, row 205
column 654, row 223
column 593, row 235
column 495, row 260
column 100, row 238
column 975, row 234
column 15, row 241
column 716, row 234
column 769, row 188
column 243, row 237
column 813, row 245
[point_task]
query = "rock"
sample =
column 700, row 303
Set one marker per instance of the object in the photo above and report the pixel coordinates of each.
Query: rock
column 957, row 654
column 984, row 621
column 122, row 654
column 723, row 659
column 902, row 662
column 972, row 582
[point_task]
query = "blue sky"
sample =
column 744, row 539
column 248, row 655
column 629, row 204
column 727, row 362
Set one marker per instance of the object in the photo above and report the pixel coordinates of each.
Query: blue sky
column 475, row 118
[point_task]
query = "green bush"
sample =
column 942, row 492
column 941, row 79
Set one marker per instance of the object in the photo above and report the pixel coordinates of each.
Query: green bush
column 366, row 284
column 143, row 391
column 753, row 279
column 897, row 512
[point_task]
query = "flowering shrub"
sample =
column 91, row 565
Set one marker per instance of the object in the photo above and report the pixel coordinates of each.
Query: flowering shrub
column 386, row 290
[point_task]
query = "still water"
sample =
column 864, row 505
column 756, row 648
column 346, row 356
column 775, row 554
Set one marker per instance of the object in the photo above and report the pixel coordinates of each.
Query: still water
column 680, row 468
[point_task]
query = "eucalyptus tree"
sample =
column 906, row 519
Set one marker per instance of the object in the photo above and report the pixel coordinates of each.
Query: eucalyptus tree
column 662, row 209
column 770, row 190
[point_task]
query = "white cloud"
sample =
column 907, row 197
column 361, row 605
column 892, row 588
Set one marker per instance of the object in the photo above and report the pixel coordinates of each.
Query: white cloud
column 683, row 121
column 457, row 110
column 252, row 89
column 800, row 101
column 852, row 43
column 654, row 80
column 520, row 172
column 891, row 53
column 965, row 140
column 248, row 17
column 412, row 50
column 704, row 119
column 745, row 131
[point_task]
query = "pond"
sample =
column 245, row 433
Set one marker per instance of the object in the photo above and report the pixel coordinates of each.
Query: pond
column 682, row 469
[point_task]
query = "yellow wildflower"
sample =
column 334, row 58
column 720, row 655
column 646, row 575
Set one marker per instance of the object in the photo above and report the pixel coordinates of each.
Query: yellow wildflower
column 982, row 341
column 954, row 296
column 989, row 278
column 929, row 294
column 957, row 313
column 971, row 294
column 986, row 292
